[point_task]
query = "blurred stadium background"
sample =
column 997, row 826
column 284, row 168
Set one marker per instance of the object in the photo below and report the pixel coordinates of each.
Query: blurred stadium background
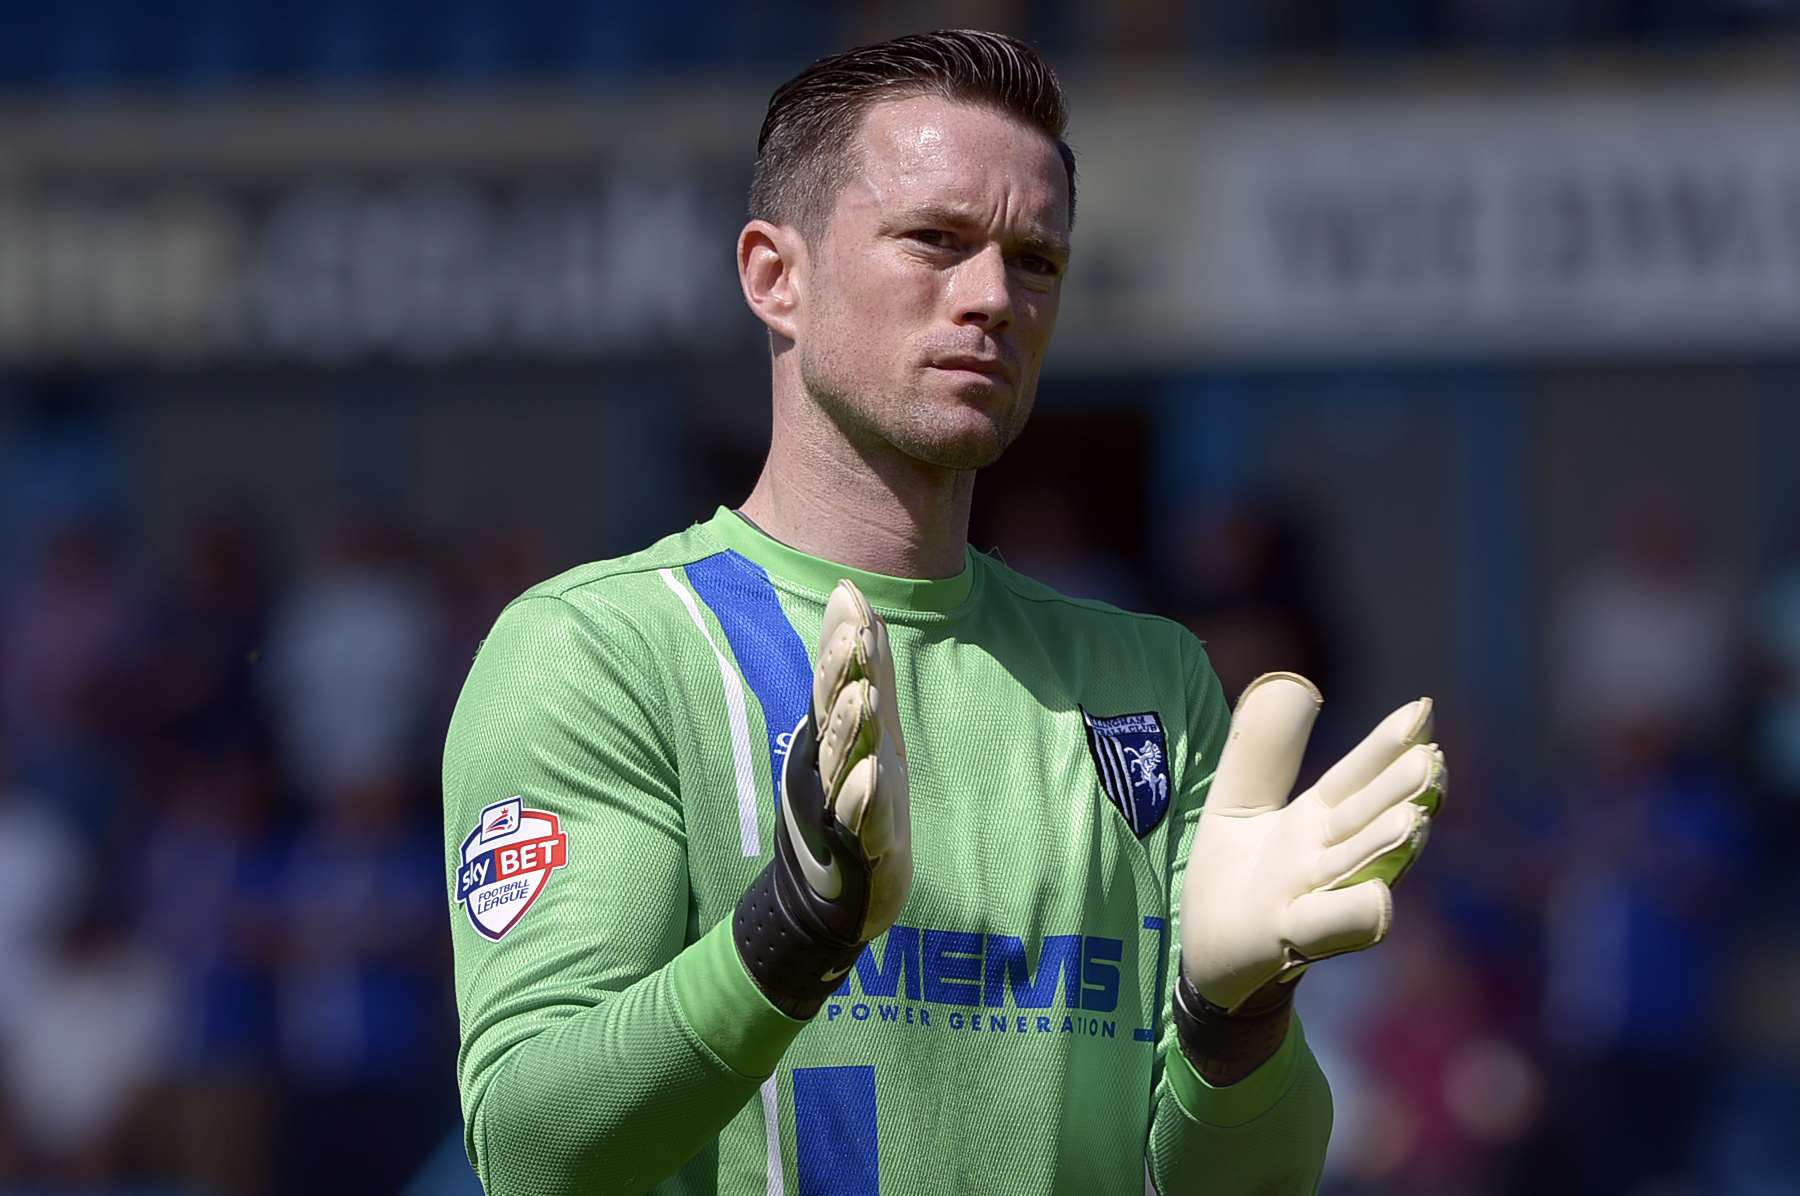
column 1442, row 345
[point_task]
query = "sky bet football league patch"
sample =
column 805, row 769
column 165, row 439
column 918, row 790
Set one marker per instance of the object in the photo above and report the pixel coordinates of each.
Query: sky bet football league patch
column 1132, row 757
column 507, row 861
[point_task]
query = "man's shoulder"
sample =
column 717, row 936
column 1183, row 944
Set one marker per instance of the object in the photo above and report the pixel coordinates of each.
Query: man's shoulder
column 617, row 586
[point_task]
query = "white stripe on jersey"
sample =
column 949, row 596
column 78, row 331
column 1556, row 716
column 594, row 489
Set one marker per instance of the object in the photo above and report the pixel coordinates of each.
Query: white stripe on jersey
column 771, row 1119
column 749, row 832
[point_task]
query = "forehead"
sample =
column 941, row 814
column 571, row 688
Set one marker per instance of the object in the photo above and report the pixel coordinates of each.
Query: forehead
column 927, row 149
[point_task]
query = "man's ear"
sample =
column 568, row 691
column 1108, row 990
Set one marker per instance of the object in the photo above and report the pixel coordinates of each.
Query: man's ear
column 770, row 258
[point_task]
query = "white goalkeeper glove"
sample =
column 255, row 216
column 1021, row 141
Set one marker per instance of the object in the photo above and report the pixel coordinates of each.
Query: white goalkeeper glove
column 843, row 852
column 1273, row 885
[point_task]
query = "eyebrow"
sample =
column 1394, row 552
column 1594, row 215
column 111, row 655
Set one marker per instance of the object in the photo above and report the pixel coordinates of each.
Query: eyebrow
column 1031, row 241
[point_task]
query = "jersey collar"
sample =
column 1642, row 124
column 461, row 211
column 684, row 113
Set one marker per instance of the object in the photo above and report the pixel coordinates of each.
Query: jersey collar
column 817, row 576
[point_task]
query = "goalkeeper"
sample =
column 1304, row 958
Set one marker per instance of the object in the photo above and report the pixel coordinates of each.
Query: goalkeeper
column 809, row 850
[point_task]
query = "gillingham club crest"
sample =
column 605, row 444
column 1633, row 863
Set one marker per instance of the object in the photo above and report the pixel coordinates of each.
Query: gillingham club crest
column 506, row 862
column 1132, row 756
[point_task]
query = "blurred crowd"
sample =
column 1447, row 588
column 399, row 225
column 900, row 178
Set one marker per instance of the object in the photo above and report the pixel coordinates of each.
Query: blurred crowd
column 1593, row 983
column 221, row 891
column 222, row 896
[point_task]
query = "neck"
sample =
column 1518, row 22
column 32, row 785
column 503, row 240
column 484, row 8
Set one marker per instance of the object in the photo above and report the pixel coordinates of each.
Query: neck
column 871, row 508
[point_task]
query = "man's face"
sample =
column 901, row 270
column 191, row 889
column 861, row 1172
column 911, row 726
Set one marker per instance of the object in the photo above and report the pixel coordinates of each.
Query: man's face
column 933, row 287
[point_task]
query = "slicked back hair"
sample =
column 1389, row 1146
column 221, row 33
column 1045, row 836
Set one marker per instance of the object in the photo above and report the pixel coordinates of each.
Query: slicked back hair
column 806, row 151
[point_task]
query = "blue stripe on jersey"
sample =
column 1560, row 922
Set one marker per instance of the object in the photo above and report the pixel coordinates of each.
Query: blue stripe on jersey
column 834, row 1131
column 768, row 652
column 1161, row 927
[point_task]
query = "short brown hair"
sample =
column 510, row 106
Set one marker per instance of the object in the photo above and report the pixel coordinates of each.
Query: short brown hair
column 802, row 154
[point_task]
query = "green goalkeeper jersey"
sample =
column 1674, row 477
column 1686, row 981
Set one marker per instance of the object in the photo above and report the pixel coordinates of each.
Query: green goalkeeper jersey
column 610, row 792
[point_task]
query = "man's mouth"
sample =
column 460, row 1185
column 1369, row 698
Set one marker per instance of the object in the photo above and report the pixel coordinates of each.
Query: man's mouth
column 993, row 367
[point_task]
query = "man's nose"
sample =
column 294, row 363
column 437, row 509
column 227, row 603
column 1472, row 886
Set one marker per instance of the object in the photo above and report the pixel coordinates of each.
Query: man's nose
column 981, row 292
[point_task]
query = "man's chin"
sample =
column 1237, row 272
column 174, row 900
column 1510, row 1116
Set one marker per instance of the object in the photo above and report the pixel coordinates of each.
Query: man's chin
column 969, row 443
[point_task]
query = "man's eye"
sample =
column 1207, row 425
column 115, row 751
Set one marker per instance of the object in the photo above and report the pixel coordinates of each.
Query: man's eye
column 935, row 237
column 1039, row 265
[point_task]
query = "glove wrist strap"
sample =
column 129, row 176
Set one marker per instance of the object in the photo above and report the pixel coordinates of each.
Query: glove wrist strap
column 795, row 944
column 1224, row 1047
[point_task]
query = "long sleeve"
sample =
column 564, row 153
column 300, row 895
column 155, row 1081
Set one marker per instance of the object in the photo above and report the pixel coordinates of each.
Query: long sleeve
column 605, row 1041
column 1265, row 1135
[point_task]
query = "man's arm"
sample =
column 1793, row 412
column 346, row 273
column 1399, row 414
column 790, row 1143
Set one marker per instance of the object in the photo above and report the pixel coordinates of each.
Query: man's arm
column 1270, row 886
column 1265, row 1134
column 600, row 1053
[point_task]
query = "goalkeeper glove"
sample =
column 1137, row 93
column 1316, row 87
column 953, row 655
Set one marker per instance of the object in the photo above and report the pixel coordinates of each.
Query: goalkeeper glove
column 1273, row 885
column 843, row 849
